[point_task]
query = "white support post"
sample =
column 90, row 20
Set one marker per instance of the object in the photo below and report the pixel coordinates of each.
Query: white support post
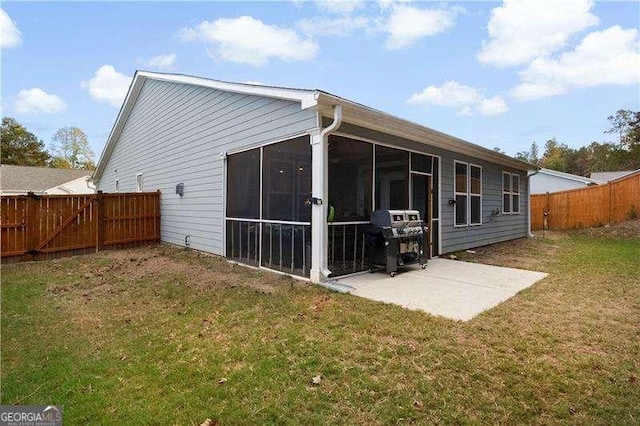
column 319, row 191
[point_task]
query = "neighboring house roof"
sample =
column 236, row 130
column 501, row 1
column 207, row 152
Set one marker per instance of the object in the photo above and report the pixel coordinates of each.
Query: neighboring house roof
column 608, row 176
column 353, row 112
column 36, row 179
column 569, row 176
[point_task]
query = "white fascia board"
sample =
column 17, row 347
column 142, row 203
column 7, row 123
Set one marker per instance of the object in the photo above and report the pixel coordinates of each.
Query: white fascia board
column 306, row 97
column 373, row 119
column 570, row 176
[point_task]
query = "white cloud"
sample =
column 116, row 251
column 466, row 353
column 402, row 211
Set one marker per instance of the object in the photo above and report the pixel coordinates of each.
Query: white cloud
column 246, row 40
column 406, row 25
column 108, row 85
column 343, row 7
column 450, row 93
column 466, row 111
column 388, row 4
column 339, row 26
column 454, row 94
column 521, row 30
column 162, row 62
column 608, row 57
column 10, row 35
column 492, row 106
column 37, row 100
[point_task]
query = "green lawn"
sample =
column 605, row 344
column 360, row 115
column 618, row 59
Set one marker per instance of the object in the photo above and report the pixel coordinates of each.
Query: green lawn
column 160, row 335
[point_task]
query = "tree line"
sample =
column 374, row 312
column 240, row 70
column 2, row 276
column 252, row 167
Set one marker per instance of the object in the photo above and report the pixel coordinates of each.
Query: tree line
column 624, row 154
column 69, row 149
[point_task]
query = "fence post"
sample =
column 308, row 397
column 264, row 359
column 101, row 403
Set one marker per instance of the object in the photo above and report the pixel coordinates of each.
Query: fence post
column 156, row 232
column 99, row 221
column 31, row 220
column 610, row 203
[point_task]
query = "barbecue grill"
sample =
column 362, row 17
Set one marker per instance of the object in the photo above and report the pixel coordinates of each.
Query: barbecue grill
column 395, row 238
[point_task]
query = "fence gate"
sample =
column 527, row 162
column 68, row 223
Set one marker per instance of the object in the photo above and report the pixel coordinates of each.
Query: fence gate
column 35, row 227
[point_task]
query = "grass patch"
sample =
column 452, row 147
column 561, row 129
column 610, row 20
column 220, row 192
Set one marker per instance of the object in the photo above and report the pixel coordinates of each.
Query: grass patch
column 160, row 334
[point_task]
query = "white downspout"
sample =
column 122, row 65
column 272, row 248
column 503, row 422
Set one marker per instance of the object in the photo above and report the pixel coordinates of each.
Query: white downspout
column 337, row 121
column 529, row 201
column 320, row 192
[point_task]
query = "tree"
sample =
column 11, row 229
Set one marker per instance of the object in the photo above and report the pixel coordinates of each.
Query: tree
column 626, row 124
column 532, row 156
column 621, row 124
column 72, row 150
column 555, row 156
column 19, row 146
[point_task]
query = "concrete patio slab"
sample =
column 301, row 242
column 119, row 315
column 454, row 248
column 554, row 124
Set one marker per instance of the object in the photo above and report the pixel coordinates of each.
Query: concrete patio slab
column 449, row 288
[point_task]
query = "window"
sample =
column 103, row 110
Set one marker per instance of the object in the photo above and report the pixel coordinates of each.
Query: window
column 475, row 192
column 461, row 194
column 139, row 182
column 350, row 177
column 243, row 184
column 510, row 193
column 286, row 182
column 515, row 194
column 392, row 178
column 468, row 194
column 117, row 185
column 421, row 163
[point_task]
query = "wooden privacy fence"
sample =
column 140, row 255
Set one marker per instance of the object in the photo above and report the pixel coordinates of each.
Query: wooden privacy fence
column 616, row 201
column 36, row 227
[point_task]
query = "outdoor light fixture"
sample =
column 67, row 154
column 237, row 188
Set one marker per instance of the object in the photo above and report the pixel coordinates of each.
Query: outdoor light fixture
column 180, row 189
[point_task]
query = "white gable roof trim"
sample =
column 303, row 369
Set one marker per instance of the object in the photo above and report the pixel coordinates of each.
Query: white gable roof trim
column 353, row 112
column 570, row 176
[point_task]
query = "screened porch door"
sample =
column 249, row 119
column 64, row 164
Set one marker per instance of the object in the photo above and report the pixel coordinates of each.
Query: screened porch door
column 421, row 190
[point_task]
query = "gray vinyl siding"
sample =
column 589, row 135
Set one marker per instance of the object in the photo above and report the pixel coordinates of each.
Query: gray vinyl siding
column 495, row 227
column 177, row 133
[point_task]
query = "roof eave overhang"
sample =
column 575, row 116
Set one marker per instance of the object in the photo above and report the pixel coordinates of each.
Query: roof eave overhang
column 363, row 116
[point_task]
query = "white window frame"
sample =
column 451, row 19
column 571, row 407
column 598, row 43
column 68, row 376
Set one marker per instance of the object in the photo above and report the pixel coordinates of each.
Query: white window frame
column 139, row 182
column 456, row 193
column 471, row 195
column 511, row 193
column 515, row 193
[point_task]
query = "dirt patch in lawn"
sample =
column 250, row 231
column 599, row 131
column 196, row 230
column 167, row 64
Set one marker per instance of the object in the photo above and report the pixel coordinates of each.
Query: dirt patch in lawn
column 201, row 270
column 628, row 229
column 533, row 254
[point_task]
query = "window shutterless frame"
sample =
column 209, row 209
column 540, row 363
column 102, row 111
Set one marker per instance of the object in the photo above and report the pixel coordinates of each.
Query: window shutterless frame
column 471, row 193
column 510, row 193
column 475, row 196
column 506, row 193
column 460, row 193
column 515, row 194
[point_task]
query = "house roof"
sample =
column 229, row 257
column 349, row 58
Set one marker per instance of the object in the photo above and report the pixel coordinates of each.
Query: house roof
column 569, row 176
column 608, row 176
column 324, row 102
column 36, row 179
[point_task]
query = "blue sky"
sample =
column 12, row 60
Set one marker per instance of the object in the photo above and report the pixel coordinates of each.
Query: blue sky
column 499, row 74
